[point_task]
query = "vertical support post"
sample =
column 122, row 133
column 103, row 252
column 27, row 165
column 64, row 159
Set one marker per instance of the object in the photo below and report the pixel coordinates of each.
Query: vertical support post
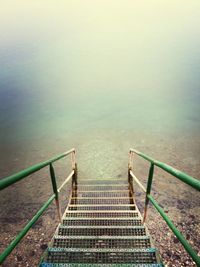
column 74, row 167
column 130, row 165
column 149, row 183
column 73, row 159
column 130, row 168
column 54, row 185
column 74, row 178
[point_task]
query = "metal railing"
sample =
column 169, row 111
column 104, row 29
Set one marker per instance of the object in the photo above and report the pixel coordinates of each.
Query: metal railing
column 189, row 180
column 4, row 183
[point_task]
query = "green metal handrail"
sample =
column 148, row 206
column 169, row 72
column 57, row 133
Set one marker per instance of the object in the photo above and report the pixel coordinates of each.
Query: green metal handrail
column 23, row 174
column 178, row 174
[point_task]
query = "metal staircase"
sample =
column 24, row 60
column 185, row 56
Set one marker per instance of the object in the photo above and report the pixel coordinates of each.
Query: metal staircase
column 101, row 226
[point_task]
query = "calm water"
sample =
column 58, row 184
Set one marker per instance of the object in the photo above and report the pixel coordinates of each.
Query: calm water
column 97, row 75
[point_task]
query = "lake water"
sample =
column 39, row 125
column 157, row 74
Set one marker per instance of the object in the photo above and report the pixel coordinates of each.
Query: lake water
column 71, row 68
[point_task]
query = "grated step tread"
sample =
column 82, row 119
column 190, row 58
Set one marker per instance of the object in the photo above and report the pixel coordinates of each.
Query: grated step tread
column 102, row 221
column 102, row 185
column 103, row 237
column 101, row 242
column 46, row 264
column 63, row 255
column 103, row 218
column 104, row 182
column 102, row 230
column 101, row 207
column 105, row 188
column 102, row 227
column 98, row 201
column 102, row 214
column 99, row 194
column 116, row 250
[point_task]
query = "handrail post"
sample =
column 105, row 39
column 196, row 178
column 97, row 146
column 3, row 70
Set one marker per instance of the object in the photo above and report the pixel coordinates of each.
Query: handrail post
column 74, row 167
column 55, row 190
column 149, row 183
column 75, row 175
column 73, row 159
column 130, row 164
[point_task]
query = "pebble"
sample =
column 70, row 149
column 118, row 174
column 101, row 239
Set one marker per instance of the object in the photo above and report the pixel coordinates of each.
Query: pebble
column 32, row 253
column 43, row 246
column 175, row 240
column 19, row 258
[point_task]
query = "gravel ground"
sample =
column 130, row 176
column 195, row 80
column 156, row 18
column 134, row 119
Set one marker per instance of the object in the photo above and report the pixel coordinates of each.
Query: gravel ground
column 171, row 251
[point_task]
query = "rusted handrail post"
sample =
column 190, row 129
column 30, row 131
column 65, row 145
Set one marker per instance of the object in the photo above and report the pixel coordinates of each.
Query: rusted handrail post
column 149, row 183
column 73, row 159
column 55, row 190
column 130, row 164
column 74, row 167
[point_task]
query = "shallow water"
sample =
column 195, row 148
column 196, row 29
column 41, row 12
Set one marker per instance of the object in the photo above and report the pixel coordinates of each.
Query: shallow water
column 70, row 68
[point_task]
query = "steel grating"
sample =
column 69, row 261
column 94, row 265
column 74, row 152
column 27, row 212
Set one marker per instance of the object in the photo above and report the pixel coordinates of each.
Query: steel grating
column 101, row 242
column 102, row 181
column 60, row 255
column 97, row 201
column 99, row 194
column 110, row 214
column 100, row 187
column 46, row 264
column 102, row 222
column 113, row 207
column 99, row 231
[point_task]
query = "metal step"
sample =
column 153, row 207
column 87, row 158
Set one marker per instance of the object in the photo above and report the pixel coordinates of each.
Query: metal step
column 99, row 194
column 46, row 264
column 101, row 214
column 64, row 255
column 114, row 207
column 101, row 187
column 101, row 227
column 102, row 222
column 101, row 242
column 97, row 201
column 102, row 181
column 102, row 230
